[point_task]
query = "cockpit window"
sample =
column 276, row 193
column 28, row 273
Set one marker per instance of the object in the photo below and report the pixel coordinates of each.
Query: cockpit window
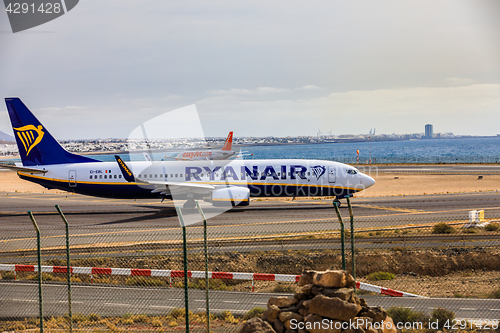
column 352, row 172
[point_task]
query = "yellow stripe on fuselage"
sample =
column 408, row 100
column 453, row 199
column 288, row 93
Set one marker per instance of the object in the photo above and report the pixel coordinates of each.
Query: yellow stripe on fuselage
column 180, row 183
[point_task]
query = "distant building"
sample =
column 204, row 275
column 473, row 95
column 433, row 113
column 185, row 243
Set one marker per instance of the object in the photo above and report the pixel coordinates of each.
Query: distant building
column 428, row 131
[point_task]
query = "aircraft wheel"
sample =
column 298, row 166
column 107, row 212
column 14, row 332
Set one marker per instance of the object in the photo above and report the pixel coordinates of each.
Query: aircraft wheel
column 190, row 204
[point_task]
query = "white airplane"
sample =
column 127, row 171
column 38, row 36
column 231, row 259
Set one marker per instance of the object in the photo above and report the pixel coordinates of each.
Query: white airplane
column 46, row 162
column 197, row 155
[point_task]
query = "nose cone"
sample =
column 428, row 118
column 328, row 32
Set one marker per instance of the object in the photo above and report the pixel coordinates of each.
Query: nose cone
column 368, row 181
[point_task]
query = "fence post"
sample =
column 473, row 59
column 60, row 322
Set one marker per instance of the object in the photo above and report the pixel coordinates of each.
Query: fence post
column 342, row 236
column 353, row 254
column 39, row 255
column 205, row 245
column 68, row 268
column 184, row 250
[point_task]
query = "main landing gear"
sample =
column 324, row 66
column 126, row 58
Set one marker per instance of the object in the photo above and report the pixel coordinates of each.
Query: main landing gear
column 337, row 202
column 189, row 204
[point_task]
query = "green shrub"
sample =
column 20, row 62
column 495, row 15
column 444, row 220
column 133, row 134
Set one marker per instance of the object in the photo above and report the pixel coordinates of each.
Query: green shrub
column 283, row 288
column 495, row 294
column 405, row 315
column 255, row 312
column 491, row 227
column 8, row 276
column 376, row 276
column 93, row 317
column 442, row 315
column 45, row 277
column 442, row 228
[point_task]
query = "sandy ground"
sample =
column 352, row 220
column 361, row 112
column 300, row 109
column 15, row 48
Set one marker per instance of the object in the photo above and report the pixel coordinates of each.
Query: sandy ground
column 387, row 184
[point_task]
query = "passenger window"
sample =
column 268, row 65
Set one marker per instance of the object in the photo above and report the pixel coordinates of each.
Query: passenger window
column 155, row 175
column 119, row 176
column 176, row 175
column 115, row 176
column 105, row 176
column 90, row 176
column 171, row 176
column 100, row 176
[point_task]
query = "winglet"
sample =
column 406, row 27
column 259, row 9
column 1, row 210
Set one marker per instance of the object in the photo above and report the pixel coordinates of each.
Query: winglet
column 126, row 172
column 229, row 142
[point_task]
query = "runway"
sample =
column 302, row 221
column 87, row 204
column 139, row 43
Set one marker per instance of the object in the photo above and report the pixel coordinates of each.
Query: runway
column 97, row 221
column 117, row 301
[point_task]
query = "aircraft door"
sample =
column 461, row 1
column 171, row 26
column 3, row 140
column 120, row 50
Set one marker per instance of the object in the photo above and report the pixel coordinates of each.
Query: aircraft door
column 332, row 174
column 72, row 178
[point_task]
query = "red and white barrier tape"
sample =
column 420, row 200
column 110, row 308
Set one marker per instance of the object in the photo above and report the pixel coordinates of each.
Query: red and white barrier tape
column 382, row 290
column 192, row 274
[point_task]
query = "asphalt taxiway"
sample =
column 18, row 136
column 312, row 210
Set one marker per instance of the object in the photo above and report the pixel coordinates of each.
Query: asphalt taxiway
column 121, row 300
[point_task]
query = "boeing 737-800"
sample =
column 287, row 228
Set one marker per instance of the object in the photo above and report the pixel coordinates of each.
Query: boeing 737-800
column 46, row 162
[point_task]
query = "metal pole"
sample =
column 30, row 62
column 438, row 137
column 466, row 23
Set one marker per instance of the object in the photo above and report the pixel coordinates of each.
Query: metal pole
column 184, row 250
column 68, row 268
column 342, row 239
column 352, row 239
column 207, row 299
column 39, row 254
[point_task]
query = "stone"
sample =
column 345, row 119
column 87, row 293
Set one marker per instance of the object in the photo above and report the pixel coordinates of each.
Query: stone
column 363, row 322
column 285, row 317
column 376, row 313
column 362, row 302
column 306, row 278
column 389, row 326
column 293, row 308
column 256, row 325
column 278, row 326
column 273, row 313
column 282, row 301
column 300, row 296
column 303, row 312
column 307, row 289
column 333, row 279
column 354, row 299
column 333, row 308
column 343, row 293
column 314, row 324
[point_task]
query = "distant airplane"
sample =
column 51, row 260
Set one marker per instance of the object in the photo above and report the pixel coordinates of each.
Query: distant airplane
column 196, row 155
column 46, row 162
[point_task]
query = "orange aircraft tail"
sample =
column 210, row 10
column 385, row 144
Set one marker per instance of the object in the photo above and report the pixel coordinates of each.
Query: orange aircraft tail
column 229, row 142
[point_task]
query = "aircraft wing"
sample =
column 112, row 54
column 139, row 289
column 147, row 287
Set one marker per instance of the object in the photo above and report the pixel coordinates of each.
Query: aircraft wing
column 165, row 187
column 25, row 169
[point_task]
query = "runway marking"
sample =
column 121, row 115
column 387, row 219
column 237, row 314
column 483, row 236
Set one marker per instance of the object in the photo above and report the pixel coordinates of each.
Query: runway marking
column 404, row 210
column 494, row 309
column 234, row 302
column 161, row 306
column 468, row 309
column 117, row 304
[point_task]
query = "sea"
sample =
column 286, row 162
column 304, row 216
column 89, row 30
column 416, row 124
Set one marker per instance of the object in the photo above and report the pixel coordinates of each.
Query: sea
column 460, row 150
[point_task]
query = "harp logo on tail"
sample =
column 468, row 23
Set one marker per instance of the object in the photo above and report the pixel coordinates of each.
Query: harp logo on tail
column 30, row 136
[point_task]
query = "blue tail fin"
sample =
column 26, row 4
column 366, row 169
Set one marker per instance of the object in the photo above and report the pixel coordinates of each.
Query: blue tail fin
column 36, row 145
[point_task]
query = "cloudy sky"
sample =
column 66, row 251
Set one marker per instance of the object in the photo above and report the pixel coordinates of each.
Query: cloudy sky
column 260, row 68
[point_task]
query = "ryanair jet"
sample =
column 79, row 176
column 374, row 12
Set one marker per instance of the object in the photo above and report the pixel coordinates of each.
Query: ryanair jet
column 46, row 162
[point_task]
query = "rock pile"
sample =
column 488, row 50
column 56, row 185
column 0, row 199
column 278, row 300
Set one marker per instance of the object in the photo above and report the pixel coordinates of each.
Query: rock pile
column 326, row 303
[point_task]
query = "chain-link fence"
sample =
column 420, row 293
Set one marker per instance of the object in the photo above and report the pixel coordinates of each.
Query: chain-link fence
column 129, row 274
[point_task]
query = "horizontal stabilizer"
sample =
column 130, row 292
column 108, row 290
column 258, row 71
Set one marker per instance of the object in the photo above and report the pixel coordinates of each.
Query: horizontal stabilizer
column 25, row 169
